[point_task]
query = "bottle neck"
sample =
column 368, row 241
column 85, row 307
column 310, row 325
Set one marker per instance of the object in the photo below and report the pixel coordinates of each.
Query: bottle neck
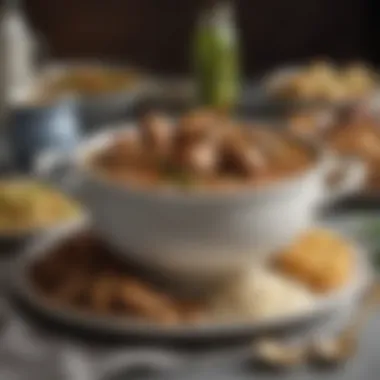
column 218, row 14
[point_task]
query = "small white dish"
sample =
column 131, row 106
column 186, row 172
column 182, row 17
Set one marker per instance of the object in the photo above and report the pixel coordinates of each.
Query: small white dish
column 120, row 327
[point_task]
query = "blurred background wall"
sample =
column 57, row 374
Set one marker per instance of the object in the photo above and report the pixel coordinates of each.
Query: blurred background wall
column 156, row 33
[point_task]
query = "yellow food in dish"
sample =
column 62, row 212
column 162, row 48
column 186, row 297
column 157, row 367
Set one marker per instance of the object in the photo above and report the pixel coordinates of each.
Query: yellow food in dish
column 320, row 259
column 28, row 205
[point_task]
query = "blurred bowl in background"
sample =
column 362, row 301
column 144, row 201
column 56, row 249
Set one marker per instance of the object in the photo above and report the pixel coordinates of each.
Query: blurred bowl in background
column 106, row 92
column 319, row 83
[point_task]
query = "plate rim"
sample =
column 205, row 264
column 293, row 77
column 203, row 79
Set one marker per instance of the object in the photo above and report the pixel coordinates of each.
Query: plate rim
column 22, row 287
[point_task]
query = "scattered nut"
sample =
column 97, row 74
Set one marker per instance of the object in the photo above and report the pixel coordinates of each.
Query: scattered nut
column 278, row 355
column 330, row 351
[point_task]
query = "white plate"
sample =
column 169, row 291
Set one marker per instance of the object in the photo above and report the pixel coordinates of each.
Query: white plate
column 128, row 326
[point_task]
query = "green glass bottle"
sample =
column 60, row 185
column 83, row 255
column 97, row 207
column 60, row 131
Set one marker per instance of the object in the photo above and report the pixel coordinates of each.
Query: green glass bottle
column 216, row 57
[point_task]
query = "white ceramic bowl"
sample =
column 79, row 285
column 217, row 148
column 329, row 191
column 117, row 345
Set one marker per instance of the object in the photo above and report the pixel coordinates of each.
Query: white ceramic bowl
column 198, row 235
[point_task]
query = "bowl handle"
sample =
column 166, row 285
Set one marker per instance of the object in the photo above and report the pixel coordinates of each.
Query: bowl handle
column 351, row 172
column 56, row 168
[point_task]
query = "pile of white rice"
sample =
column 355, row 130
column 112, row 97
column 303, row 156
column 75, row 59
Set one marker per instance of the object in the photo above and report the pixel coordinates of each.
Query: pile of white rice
column 261, row 294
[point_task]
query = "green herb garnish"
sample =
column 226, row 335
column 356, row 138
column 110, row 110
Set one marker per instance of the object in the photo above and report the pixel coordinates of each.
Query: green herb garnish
column 178, row 176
